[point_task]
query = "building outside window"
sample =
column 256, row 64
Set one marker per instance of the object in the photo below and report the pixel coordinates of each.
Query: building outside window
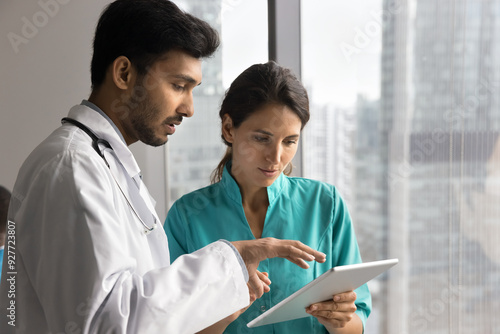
column 196, row 149
column 405, row 105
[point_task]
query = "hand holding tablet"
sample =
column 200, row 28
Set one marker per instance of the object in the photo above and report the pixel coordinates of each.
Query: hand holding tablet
column 336, row 280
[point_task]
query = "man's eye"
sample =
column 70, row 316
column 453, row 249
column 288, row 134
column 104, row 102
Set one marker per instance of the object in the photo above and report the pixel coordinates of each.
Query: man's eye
column 178, row 87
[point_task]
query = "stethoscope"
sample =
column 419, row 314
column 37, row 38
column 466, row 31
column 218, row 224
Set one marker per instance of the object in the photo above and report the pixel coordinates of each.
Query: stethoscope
column 96, row 141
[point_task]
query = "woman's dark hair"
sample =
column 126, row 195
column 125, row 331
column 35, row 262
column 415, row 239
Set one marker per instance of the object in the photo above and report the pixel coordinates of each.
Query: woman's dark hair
column 143, row 31
column 258, row 86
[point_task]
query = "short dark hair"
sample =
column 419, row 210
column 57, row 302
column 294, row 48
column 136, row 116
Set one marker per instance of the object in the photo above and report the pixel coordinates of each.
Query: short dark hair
column 143, row 31
column 4, row 207
column 258, row 86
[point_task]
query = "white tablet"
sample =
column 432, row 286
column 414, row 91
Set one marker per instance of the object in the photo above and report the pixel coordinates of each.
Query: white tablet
column 336, row 280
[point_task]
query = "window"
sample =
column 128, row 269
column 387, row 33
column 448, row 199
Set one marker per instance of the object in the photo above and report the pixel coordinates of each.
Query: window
column 406, row 122
column 196, row 149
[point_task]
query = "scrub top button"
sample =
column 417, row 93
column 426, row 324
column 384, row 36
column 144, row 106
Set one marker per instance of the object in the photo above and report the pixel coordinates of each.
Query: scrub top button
column 263, row 308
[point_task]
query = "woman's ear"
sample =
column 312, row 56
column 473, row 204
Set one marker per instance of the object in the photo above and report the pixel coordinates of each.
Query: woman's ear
column 227, row 128
column 123, row 73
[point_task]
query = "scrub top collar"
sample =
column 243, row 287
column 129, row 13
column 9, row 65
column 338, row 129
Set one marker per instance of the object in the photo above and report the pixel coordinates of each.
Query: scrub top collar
column 103, row 128
column 233, row 190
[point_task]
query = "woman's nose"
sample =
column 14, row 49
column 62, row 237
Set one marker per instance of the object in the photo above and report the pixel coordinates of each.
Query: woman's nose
column 273, row 153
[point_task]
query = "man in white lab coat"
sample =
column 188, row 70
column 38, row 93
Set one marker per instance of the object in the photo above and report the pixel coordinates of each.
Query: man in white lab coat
column 84, row 250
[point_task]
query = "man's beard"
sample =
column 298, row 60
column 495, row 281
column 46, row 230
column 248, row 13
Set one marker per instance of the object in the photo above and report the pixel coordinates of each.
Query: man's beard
column 142, row 120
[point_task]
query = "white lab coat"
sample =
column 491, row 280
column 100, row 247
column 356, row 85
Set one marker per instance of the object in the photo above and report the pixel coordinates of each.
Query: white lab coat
column 83, row 263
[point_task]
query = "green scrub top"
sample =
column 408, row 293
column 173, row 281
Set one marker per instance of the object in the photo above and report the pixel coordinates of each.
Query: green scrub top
column 299, row 209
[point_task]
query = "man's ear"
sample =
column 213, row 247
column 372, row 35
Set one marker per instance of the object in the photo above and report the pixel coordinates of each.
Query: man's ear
column 123, row 73
column 227, row 128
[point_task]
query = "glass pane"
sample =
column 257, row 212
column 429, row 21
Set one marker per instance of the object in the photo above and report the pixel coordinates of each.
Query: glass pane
column 406, row 122
column 341, row 52
column 196, row 148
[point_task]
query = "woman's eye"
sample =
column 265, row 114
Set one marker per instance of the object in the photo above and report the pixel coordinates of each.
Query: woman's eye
column 261, row 139
column 290, row 142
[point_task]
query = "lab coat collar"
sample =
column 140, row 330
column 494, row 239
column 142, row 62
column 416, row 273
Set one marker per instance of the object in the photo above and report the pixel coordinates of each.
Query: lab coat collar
column 103, row 114
column 103, row 129
column 233, row 190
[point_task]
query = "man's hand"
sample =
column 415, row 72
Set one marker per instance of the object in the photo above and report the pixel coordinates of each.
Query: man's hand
column 265, row 282
column 220, row 327
column 254, row 251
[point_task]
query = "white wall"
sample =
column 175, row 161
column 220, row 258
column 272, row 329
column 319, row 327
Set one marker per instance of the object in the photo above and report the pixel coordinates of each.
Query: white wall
column 45, row 53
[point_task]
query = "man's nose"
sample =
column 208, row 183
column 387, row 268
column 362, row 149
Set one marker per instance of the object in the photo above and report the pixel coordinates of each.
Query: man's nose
column 187, row 107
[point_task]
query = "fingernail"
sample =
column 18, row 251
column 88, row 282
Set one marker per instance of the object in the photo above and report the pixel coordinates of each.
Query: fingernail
column 336, row 298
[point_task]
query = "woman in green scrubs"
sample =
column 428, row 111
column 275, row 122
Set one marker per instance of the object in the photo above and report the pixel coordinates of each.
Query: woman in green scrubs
column 251, row 196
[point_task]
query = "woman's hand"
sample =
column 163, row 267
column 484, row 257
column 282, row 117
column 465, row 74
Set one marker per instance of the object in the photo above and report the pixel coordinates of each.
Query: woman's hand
column 254, row 251
column 337, row 315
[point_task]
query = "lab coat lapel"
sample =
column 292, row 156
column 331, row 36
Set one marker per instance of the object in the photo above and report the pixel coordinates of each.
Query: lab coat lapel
column 131, row 192
column 122, row 164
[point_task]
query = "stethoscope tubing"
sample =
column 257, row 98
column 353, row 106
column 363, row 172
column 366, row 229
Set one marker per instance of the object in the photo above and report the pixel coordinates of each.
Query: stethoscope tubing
column 96, row 141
